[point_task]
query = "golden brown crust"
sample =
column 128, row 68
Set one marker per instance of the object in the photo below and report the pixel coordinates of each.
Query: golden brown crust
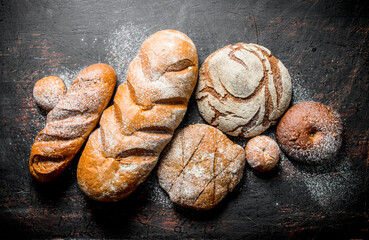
column 47, row 92
column 71, row 121
column 262, row 153
column 310, row 132
column 200, row 166
column 146, row 111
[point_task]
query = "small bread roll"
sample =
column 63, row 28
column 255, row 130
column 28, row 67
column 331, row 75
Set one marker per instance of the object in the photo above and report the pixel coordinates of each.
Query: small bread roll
column 262, row 153
column 47, row 92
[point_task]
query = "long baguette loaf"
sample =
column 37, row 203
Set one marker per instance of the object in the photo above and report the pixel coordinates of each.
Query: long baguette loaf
column 71, row 121
column 147, row 109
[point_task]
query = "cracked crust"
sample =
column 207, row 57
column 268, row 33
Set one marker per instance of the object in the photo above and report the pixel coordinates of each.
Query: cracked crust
column 147, row 109
column 310, row 133
column 200, row 166
column 243, row 89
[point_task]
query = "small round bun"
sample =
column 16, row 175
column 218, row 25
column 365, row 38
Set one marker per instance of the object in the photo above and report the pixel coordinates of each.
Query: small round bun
column 262, row 153
column 310, row 133
column 48, row 91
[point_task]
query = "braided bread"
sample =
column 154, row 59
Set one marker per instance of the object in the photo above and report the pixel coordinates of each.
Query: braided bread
column 71, row 121
column 243, row 89
column 147, row 109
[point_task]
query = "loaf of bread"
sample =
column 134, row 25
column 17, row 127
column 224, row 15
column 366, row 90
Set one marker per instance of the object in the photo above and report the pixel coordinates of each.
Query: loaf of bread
column 200, row 166
column 71, row 121
column 243, row 89
column 147, row 109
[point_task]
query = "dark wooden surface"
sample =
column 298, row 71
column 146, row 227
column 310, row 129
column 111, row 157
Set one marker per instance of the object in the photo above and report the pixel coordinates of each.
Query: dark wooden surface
column 325, row 46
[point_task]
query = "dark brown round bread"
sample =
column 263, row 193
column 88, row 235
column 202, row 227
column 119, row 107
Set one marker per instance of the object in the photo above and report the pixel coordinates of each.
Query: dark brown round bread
column 310, row 133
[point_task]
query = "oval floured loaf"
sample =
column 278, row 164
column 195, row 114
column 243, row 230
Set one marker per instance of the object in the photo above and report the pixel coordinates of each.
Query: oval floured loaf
column 200, row 166
column 243, row 89
column 147, row 109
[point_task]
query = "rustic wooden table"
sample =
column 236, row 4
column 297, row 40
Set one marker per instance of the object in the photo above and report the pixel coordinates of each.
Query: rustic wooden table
column 325, row 46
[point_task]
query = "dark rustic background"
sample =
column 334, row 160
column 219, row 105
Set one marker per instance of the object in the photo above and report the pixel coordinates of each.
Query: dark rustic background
column 325, row 46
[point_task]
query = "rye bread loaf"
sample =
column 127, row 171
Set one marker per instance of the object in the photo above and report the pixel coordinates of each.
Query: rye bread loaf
column 71, row 121
column 200, row 166
column 243, row 89
column 147, row 109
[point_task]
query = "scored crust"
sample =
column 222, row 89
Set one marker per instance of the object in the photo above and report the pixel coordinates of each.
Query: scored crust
column 147, row 109
column 243, row 89
column 71, row 122
column 200, row 166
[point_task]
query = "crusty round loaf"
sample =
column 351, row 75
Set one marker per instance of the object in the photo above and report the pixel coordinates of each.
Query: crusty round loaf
column 310, row 133
column 47, row 92
column 262, row 153
column 243, row 89
column 200, row 166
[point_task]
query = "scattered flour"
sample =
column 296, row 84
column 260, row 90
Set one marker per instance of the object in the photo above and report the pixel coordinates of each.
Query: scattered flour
column 122, row 46
column 157, row 194
column 329, row 187
column 299, row 92
column 67, row 75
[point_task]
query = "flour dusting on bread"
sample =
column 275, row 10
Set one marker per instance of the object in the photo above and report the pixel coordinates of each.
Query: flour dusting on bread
column 71, row 121
column 243, row 89
column 147, row 109
column 200, row 166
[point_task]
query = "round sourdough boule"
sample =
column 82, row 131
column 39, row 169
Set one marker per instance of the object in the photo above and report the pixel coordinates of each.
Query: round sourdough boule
column 200, row 166
column 310, row 133
column 243, row 89
column 262, row 153
column 47, row 92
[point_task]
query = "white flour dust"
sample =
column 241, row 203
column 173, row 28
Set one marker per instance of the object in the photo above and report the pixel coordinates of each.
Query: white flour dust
column 331, row 187
column 157, row 194
column 299, row 92
column 328, row 187
column 122, row 46
column 67, row 75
